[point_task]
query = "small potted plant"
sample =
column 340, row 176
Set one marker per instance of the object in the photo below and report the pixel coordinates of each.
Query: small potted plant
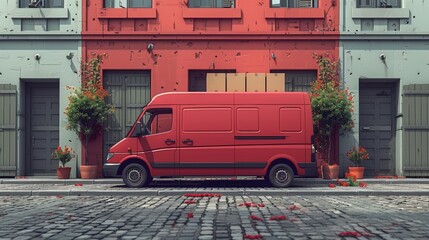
column 356, row 155
column 64, row 156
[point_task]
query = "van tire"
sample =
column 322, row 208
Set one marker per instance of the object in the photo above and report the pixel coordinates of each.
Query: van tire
column 281, row 175
column 135, row 175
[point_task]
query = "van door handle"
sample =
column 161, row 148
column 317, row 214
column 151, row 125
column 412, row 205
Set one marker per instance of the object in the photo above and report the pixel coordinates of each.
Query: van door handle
column 188, row 141
column 170, row 141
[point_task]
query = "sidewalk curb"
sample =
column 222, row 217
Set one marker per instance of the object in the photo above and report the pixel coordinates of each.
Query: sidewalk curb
column 145, row 192
column 297, row 181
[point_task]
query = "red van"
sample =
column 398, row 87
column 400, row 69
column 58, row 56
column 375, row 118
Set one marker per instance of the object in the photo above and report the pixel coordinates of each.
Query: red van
column 194, row 134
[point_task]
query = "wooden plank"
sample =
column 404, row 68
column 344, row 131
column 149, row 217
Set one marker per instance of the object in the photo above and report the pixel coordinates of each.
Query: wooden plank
column 216, row 82
column 276, row 82
column 255, row 82
column 235, row 82
column 8, row 130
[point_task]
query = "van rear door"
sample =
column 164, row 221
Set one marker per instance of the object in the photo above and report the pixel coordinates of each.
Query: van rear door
column 206, row 140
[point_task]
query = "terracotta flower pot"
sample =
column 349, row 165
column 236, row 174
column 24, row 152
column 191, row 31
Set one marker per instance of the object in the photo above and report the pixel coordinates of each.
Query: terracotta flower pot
column 331, row 171
column 63, row 172
column 356, row 172
column 88, row 171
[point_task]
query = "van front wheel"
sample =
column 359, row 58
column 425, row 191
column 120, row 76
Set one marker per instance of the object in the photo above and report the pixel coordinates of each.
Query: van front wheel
column 135, row 175
column 280, row 175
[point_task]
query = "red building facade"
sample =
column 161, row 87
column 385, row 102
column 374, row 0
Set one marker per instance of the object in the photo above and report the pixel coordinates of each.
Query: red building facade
column 157, row 46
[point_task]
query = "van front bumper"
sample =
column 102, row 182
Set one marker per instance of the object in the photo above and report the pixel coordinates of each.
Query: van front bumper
column 111, row 169
column 309, row 168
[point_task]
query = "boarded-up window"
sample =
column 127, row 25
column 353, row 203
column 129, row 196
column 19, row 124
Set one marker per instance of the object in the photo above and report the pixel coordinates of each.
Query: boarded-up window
column 207, row 120
column 247, row 119
column 290, row 119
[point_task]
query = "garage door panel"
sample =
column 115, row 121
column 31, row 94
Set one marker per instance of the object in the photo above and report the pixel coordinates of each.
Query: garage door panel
column 129, row 92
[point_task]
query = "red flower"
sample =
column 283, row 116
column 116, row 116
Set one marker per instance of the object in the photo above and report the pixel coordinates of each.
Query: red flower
column 344, row 184
column 362, row 184
column 331, row 185
column 278, row 218
column 248, row 236
column 253, row 217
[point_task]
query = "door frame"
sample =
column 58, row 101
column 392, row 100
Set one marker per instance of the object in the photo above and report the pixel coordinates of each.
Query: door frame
column 28, row 85
column 394, row 85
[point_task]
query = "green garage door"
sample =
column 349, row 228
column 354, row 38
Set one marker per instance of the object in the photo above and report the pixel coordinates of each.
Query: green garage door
column 128, row 91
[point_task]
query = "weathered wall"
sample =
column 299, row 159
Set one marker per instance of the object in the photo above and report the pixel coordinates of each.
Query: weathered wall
column 365, row 36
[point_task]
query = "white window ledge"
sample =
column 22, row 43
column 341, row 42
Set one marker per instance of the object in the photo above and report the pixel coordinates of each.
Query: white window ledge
column 39, row 13
column 381, row 13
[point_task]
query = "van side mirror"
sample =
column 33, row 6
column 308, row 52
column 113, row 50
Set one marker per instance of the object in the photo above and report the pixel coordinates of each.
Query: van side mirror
column 140, row 128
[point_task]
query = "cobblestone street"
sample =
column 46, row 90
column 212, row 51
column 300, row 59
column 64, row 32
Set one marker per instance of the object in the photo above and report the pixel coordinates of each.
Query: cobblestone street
column 224, row 217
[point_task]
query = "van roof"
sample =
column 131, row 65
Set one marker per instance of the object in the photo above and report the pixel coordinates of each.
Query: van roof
column 239, row 98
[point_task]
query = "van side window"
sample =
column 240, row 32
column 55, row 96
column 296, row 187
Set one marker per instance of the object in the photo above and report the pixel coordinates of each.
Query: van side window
column 158, row 120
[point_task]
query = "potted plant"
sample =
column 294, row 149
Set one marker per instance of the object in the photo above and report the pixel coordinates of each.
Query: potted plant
column 356, row 155
column 87, row 109
column 332, row 109
column 64, row 156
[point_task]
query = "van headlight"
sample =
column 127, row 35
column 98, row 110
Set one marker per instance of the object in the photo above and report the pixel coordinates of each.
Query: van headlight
column 109, row 156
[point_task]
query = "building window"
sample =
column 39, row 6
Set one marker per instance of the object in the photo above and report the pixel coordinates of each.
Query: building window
column 298, row 81
column 41, row 3
column 379, row 3
column 127, row 3
column 294, row 3
column 211, row 3
column 198, row 79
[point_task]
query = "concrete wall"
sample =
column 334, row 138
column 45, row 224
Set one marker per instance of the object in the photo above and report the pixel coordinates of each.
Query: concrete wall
column 18, row 66
column 53, row 33
column 406, row 51
column 44, row 21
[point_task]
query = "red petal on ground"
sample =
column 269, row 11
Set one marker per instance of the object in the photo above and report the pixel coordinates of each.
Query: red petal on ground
column 190, row 215
column 331, row 185
column 293, row 219
column 293, row 207
column 278, row 218
column 78, row 184
column 362, row 184
column 261, row 205
column 248, row 236
column 253, row 217
column 190, row 202
column 201, row 195
column 350, row 234
column 59, row 196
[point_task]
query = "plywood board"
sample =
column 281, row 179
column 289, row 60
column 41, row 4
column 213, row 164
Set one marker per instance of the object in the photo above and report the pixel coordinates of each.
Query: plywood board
column 275, row 82
column 255, row 82
column 216, row 82
column 236, row 82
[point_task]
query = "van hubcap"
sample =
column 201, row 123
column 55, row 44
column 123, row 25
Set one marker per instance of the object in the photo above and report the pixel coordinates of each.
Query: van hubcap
column 281, row 176
column 134, row 175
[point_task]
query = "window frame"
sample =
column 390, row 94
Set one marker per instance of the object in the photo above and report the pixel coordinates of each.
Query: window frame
column 45, row 4
column 129, row 4
column 378, row 4
column 214, row 4
column 315, row 4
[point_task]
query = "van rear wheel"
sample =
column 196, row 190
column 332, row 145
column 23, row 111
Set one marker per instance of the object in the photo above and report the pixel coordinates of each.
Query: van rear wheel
column 135, row 175
column 280, row 175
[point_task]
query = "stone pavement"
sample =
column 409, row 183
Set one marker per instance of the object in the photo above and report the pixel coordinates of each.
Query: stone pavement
column 161, row 187
column 224, row 217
